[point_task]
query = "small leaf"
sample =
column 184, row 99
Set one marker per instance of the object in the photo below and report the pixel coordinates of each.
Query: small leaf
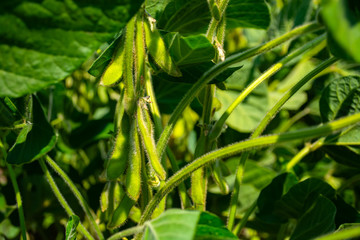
column 71, row 227
column 340, row 98
column 190, row 49
column 318, row 220
column 34, row 141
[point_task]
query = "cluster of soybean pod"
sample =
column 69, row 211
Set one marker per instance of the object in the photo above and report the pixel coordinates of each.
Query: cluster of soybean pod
column 135, row 131
column 135, row 136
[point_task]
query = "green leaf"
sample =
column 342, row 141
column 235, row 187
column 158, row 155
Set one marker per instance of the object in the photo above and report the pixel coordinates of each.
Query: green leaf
column 193, row 16
column 342, row 19
column 300, row 196
column 43, row 42
column 179, row 224
column 343, row 155
column 35, row 140
column 71, row 227
column 8, row 230
column 340, row 98
column 189, row 50
column 318, row 220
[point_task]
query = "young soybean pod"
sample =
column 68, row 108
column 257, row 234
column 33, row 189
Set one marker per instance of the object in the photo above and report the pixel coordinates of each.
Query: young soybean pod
column 133, row 173
column 147, row 138
column 121, row 213
column 118, row 160
column 156, row 48
column 114, row 71
column 140, row 54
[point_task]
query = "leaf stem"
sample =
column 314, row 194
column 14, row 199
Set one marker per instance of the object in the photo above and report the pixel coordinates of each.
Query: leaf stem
column 77, row 194
column 17, row 193
column 264, row 122
column 219, row 68
column 62, row 200
column 127, row 232
column 230, row 150
column 216, row 130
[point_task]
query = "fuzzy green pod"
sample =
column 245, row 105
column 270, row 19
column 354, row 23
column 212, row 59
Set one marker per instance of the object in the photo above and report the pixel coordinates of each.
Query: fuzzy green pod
column 133, row 174
column 118, row 160
column 104, row 197
column 114, row 70
column 121, row 213
column 147, row 138
column 156, row 48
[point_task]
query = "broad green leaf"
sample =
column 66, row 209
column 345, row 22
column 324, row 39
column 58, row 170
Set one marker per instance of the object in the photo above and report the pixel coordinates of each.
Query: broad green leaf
column 8, row 230
column 43, row 42
column 271, row 194
column 193, row 16
column 157, row 49
column 349, row 136
column 340, row 98
column 342, row 19
column 301, row 195
column 35, row 140
column 71, row 227
column 179, row 224
column 318, row 220
column 189, row 50
column 343, row 155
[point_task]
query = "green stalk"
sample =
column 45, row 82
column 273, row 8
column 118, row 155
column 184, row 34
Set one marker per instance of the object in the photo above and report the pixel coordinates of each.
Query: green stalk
column 155, row 112
column 216, row 130
column 219, row 68
column 306, row 133
column 303, row 152
column 62, row 200
column 347, row 233
column 77, row 194
column 18, row 201
column 260, row 129
column 17, row 193
column 127, row 232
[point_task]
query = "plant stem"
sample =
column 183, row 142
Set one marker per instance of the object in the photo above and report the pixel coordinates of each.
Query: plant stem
column 264, row 122
column 17, row 193
column 303, row 152
column 77, row 194
column 342, row 234
column 306, row 133
column 155, row 112
column 18, row 201
column 216, row 130
column 127, row 232
column 243, row 221
column 62, row 200
column 219, row 68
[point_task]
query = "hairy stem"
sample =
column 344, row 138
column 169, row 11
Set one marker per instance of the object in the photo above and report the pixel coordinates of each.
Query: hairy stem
column 61, row 199
column 236, row 148
column 127, row 232
column 77, row 194
column 219, row 68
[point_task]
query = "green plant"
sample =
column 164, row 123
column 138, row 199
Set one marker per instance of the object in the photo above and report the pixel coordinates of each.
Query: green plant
column 258, row 129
